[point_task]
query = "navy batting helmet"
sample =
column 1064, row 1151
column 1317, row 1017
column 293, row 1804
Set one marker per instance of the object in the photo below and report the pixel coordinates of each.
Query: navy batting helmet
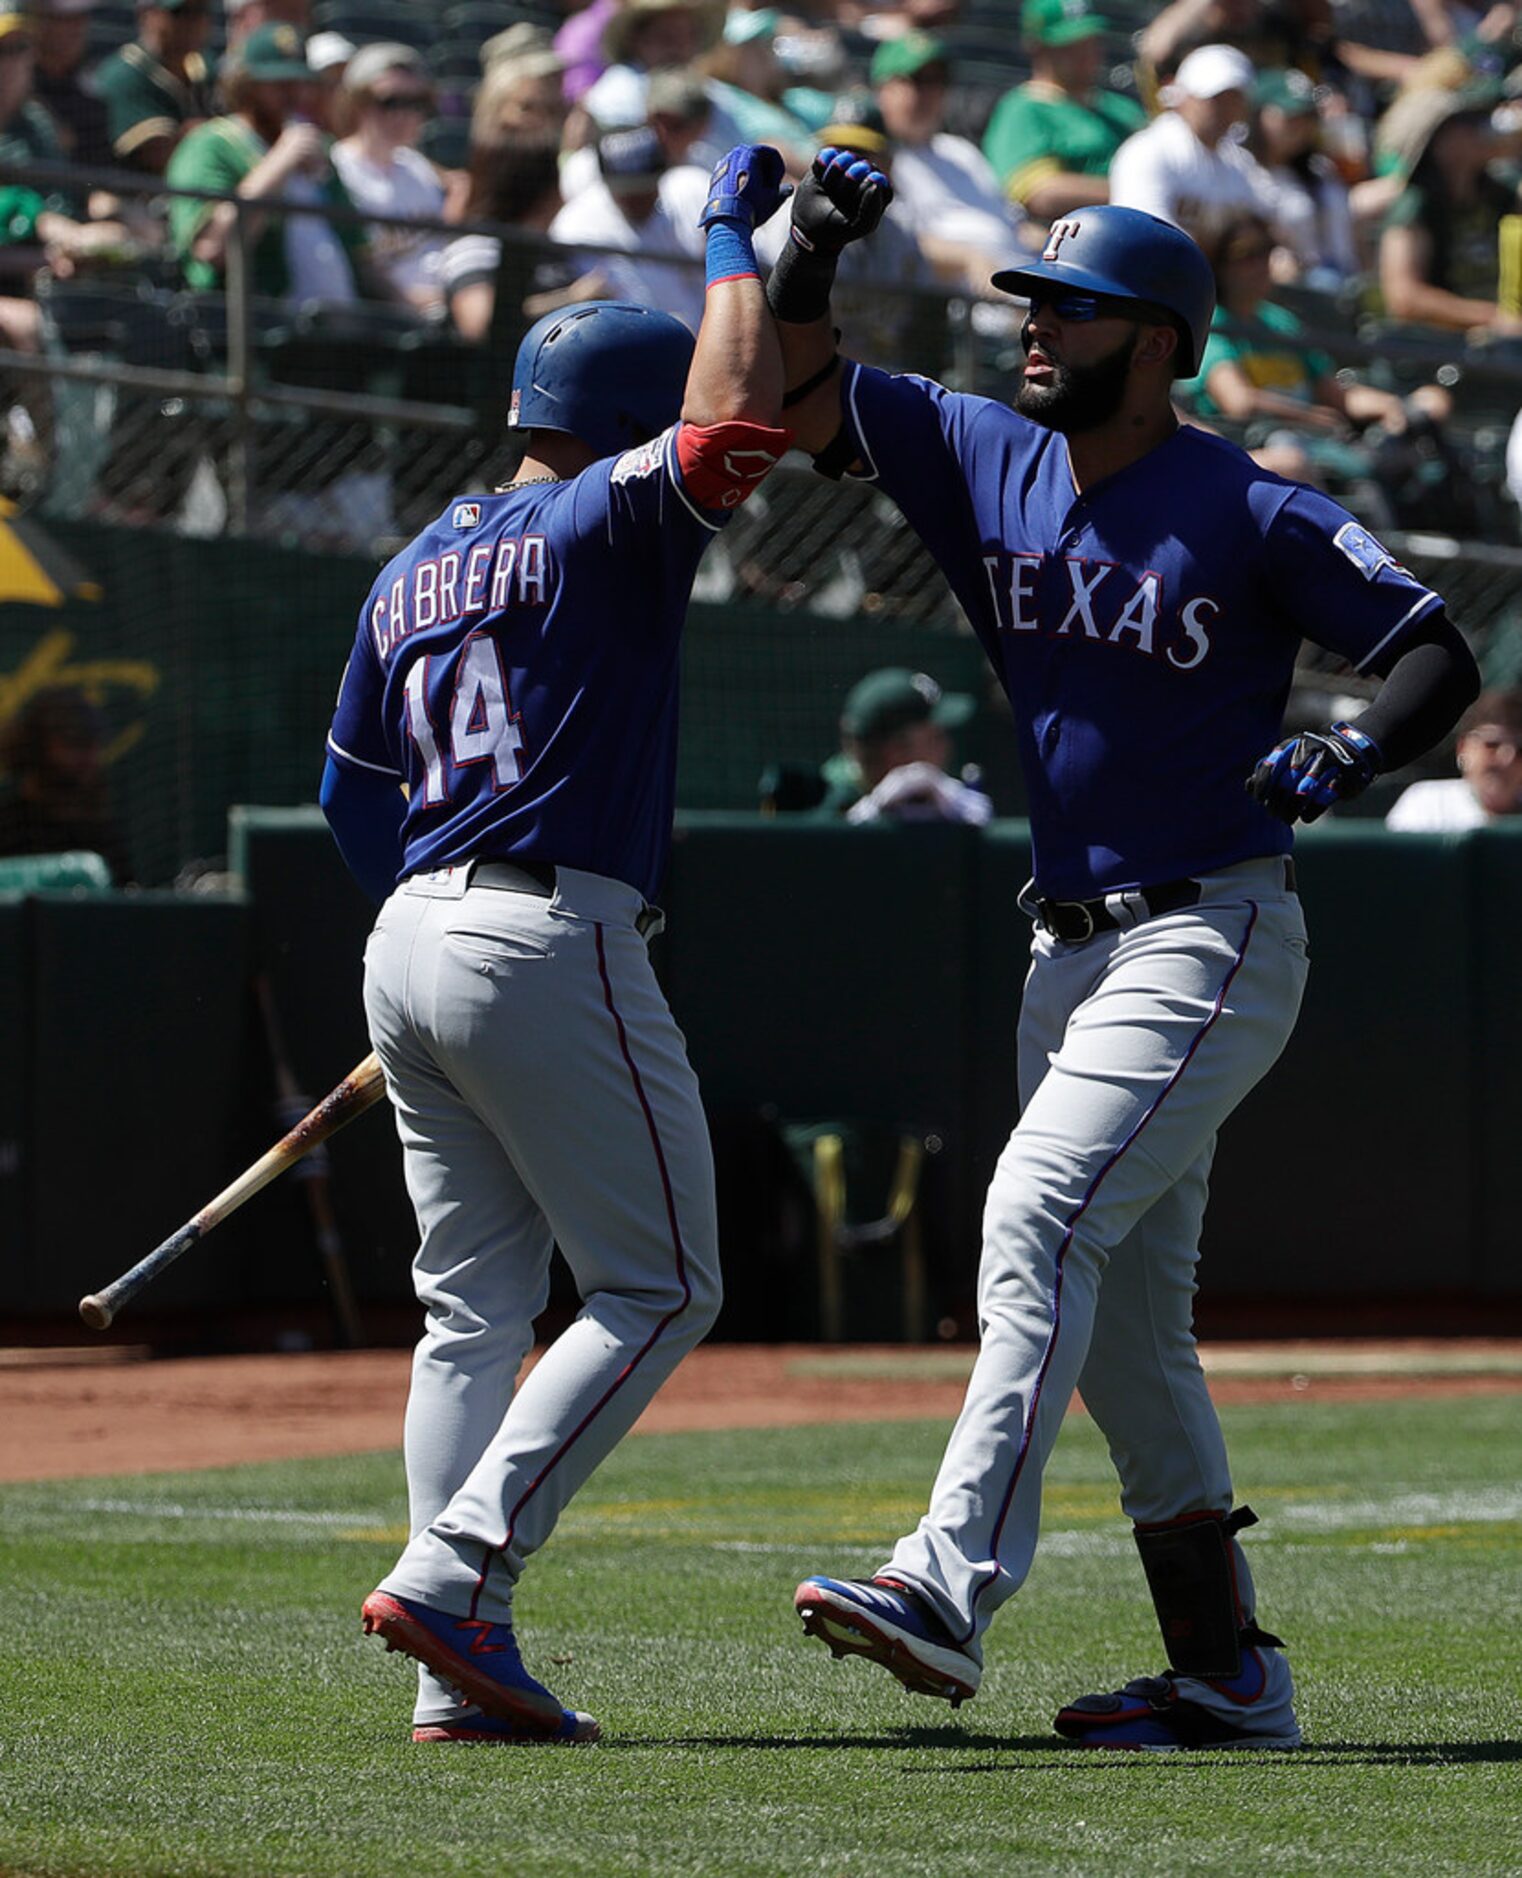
column 1129, row 255
column 605, row 371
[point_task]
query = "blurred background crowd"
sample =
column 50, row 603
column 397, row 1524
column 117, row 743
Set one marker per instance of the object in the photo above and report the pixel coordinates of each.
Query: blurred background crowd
column 1351, row 166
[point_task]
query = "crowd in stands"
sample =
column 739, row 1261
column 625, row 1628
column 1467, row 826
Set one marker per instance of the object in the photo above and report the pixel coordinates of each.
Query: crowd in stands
column 1340, row 165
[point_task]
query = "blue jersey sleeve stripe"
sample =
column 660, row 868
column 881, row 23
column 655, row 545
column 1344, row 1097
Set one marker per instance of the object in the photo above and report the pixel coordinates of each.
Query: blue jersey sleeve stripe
column 380, row 769
column 1425, row 604
column 673, row 470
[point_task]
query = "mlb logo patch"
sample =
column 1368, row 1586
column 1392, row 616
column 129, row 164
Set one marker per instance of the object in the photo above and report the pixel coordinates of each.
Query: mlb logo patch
column 644, row 460
column 1366, row 553
column 514, row 406
column 466, row 515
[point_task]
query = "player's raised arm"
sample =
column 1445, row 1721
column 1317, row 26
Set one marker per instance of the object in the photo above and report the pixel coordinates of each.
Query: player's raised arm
column 730, row 435
column 841, row 200
column 736, row 371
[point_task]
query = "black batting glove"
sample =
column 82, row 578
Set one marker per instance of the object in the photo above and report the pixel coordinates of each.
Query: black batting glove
column 1302, row 777
column 841, row 200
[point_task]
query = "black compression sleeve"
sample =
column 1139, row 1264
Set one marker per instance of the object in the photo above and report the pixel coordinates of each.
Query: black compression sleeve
column 1428, row 688
column 798, row 291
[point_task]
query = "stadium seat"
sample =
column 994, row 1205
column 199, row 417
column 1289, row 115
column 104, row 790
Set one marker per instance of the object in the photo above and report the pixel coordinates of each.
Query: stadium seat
column 112, row 24
column 456, row 64
column 368, row 21
column 78, row 872
column 479, row 19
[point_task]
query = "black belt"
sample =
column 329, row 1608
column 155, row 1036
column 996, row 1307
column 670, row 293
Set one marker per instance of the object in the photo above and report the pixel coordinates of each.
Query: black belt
column 536, row 877
column 539, row 878
column 1073, row 921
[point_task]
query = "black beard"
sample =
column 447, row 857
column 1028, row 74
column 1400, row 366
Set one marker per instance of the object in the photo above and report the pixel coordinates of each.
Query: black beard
column 1079, row 397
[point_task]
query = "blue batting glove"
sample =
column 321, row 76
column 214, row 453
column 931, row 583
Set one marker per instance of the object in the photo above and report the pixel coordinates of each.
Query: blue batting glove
column 746, row 187
column 1302, row 777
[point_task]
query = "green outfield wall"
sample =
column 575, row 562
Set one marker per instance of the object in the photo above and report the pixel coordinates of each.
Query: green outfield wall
column 867, row 978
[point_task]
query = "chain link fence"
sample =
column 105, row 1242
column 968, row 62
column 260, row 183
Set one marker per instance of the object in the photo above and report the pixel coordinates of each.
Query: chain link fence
column 347, row 428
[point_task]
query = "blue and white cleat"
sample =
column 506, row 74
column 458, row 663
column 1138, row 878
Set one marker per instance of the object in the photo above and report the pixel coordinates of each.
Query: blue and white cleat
column 478, row 1658
column 492, row 1730
column 1254, row 1709
column 892, row 1625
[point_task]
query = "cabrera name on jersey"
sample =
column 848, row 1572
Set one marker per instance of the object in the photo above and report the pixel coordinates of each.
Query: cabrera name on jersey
column 516, row 667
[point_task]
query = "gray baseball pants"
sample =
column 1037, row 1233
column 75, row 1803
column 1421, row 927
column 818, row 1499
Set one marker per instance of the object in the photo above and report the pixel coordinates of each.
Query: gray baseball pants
column 1134, row 1047
column 543, row 1096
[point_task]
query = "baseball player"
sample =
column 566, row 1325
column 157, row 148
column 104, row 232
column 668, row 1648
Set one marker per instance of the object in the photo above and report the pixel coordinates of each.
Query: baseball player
column 1141, row 589
column 515, row 673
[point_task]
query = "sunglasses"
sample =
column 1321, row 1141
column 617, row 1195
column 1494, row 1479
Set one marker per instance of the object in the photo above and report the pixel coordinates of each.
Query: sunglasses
column 1069, row 303
column 410, row 101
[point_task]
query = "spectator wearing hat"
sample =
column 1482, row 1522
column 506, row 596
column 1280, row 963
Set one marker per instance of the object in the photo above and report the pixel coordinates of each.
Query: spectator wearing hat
column 522, row 88
column 390, row 93
column 38, row 222
column 1051, row 140
column 159, row 85
column 944, row 185
column 646, row 36
column 1488, row 787
column 1440, row 259
column 645, row 214
column 1189, row 166
column 245, row 17
column 1312, row 208
column 680, row 112
column 266, row 150
column 60, row 41
column 745, row 82
column 895, row 753
column 328, row 56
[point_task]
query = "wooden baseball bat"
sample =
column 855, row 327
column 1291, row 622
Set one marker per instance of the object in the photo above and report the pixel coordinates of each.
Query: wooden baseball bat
column 364, row 1086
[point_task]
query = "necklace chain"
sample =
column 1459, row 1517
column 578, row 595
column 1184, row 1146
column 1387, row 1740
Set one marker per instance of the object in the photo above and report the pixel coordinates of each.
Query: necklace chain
column 527, row 482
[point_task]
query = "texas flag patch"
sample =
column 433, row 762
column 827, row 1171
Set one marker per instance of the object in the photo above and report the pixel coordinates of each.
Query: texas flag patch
column 1367, row 553
column 466, row 515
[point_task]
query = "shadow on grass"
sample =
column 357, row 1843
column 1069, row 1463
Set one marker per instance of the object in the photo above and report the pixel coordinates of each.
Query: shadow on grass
column 1055, row 1754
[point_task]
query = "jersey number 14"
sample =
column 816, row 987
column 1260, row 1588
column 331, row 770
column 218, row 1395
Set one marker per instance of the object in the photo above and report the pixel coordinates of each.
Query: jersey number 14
column 483, row 727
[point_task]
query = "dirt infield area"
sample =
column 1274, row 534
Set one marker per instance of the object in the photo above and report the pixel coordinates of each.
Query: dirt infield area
column 107, row 1410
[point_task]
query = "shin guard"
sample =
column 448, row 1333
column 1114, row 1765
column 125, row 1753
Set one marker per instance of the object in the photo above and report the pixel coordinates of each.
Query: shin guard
column 1191, row 1572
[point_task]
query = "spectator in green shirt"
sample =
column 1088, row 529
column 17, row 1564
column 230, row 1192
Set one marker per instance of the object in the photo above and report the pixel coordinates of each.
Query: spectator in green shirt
column 1051, row 139
column 1443, row 251
column 39, row 222
column 265, row 150
column 159, row 85
column 1258, row 370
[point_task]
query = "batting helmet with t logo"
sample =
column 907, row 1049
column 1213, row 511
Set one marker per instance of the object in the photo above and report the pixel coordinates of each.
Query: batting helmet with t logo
column 606, row 371
column 1127, row 255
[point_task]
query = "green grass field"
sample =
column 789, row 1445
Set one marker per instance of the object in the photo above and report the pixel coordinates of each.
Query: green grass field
column 187, row 1689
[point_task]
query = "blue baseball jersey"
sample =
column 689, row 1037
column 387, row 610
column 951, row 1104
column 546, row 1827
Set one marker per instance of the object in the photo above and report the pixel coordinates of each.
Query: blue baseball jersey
column 517, row 668
column 1144, row 630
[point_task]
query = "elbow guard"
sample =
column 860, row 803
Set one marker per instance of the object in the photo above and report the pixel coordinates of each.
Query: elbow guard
column 722, row 463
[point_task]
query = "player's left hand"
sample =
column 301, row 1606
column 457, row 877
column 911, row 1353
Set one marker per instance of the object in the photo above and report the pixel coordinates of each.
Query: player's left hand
column 746, row 186
column 1303, row 776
